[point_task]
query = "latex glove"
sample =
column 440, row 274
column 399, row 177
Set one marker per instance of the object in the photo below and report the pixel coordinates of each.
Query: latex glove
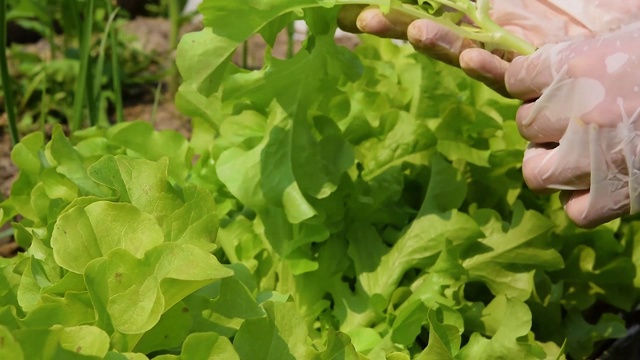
column 583, row 118
column 538, row 21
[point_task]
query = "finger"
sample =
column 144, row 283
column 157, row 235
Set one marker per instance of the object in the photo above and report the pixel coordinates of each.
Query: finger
column 548, row 167
column 391, row 25
column 587, row 212
column 437, row 41
column 528, row 76
column 485, row 67
column 348, row 17
column 536, row 126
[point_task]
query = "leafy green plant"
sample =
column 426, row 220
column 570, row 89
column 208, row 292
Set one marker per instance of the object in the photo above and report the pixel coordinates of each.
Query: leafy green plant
column 71, row 86
column 374, row 210
column 6, row 81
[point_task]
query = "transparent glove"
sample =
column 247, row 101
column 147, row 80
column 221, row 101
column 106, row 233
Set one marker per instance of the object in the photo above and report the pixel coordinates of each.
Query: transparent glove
column 582, row 116
column 538, row 21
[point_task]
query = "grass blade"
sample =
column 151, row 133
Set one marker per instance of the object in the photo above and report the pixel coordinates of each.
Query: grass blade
column 174, row 17
column 291, row 33
column 84, row 89
column 97, row 82
column 115, row 72
column 4, row 76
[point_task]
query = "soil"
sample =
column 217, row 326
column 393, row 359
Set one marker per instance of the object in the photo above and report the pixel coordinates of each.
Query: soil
column 8, row 171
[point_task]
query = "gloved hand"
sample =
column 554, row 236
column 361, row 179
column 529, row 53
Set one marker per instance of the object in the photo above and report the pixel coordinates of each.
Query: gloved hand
column 538, row 21
column 582, row 115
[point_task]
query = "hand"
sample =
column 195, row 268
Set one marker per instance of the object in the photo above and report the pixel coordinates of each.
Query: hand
column 582, row 115
column 538, row 21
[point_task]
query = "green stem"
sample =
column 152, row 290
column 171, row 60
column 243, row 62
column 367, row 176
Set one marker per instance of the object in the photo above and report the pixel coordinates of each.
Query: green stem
column 44, row 104
column 84, row 89
column 50, row 34
column 493, row 35
column 245, row 54
column 174, row 16
column 97, row 81
column 115, row 71
column 156, row 103
column 4, row 76
column 291, row 32
column 86, row 57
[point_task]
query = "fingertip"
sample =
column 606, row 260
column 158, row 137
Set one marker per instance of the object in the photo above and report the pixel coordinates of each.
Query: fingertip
column 437, row 41
column 392, row 25
column 575, row 204
column 537, row 127
column 534, row 172
column 527, row 77
column 371, row 21
column 578, row 207
column 486, row 67
column 513, row 77
column 484, row 63
column 544, row 168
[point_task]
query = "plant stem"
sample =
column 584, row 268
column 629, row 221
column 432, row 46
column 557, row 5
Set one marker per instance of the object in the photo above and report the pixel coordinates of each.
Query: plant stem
column 156, row 103
column 44, row 104
column 245, row 54
column 84, row 89
column 115, row 69
column 97, row 81
column 174, row 16
column 493, row 36
column 291, row 33
column 50, row 33
column 4, row 77
column 115, row 72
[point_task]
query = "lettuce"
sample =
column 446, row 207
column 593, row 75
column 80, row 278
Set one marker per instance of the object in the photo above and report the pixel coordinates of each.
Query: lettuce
column 335, row 205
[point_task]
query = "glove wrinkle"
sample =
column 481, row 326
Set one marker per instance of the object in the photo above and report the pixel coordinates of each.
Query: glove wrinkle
column 588, row 101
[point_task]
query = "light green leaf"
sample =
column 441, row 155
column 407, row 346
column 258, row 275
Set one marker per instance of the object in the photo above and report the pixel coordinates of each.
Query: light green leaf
column 141, row 140
column 444, row 340
column 507, row 267
column 71, row 164
column 239, row 170
column 75, row 308
column 171, row 330
column 208, row 346
column 185, row 215
column 9, row 347
column 339, row 347
column 282, row 335
column 112, row 355
column 408, row 323
column 86, row 340
column 455, row 150
column 55, row 343
column 133, row 293
column 507, row 320
column 84, row 234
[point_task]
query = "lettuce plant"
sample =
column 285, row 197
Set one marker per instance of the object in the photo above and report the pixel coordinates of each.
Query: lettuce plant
column 333, row 205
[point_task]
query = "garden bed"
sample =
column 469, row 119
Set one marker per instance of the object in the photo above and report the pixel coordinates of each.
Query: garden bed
column 319, row 202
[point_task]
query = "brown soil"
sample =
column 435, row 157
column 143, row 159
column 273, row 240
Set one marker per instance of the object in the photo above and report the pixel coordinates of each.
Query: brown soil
column 167, row 117
column 7, row 169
